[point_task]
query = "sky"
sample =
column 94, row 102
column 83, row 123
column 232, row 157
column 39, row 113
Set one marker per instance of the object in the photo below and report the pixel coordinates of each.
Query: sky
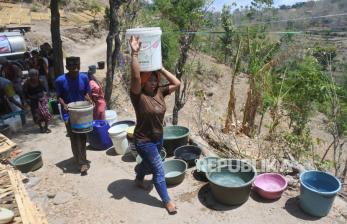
column 218, row 4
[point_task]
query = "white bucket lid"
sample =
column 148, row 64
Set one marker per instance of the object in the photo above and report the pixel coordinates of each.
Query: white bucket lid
column 144, row 31
column 116, row 129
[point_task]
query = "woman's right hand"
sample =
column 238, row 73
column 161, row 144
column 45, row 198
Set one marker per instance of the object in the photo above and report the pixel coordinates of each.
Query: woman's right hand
column 135, row 44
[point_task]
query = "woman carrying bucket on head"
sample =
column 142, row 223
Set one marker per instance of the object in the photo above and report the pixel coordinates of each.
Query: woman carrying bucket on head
column 147, row 97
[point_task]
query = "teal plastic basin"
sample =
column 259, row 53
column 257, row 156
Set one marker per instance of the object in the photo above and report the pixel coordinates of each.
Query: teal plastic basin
column 175, row 171
column 231, row 181
column 174, row 137
column 27, row 162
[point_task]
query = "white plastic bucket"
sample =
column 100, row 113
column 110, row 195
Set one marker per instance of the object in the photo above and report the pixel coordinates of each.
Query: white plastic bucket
column 150, row 52
column 118, row 136
column 81, row 116
column 111, row 117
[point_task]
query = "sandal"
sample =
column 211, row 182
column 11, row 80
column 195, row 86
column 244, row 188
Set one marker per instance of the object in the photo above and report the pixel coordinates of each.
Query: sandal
column 171, row 208
column 48, row 130
column 84, row 169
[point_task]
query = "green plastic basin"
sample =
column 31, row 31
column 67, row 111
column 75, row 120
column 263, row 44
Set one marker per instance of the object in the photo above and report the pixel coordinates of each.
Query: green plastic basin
column 231, row 181
column 175, row 171
column 174, row 137
column 27, row 162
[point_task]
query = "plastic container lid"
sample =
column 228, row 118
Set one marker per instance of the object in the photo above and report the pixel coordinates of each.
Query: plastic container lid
column 144, row 31
column 130, row 131
column 116, row 129
column 6, row 215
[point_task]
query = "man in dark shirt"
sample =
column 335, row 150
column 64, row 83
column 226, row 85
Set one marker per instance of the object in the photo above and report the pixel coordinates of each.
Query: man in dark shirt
column 72, row 87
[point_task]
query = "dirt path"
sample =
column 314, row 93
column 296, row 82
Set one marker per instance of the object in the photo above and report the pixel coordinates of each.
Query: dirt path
column 90, row 53
column 107, row 193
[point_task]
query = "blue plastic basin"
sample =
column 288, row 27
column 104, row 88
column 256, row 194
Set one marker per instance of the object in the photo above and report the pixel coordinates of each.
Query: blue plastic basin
column 317, row 192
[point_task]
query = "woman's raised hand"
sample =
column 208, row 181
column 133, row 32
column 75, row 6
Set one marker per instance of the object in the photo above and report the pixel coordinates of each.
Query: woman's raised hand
column 135, row 44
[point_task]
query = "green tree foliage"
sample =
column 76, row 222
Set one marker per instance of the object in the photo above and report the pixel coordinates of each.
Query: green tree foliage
column 185, row 14
column 229, row 32
column 306, row 85
column 324, row 53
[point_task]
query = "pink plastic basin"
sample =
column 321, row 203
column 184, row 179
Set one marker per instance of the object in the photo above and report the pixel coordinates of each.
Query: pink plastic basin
column 270, row 185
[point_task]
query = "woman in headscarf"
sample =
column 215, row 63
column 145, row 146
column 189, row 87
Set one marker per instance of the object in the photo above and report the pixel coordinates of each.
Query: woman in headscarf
column 97, row 95
column 34, row 91
column 147, row 97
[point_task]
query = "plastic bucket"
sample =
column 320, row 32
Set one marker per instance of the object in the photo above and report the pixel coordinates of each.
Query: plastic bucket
column 81, row 116
column 150, row 53
column 111, row 117
column 317, row 192
column 118, row 135
column 14, row 122
column 101, row 64
column 99, row 138
column 53, row 106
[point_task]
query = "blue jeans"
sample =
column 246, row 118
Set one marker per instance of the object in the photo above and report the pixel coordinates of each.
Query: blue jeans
column 152, row 164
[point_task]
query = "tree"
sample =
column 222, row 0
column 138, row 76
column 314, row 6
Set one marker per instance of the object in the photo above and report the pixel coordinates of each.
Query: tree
column 232, row 99
column 113, row 46
column 228, row 34
column 260, row 56
column 306, row 85
column 187, row 16
column 56, row 39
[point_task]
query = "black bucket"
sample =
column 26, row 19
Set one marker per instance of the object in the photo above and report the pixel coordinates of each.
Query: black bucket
column 101, row 65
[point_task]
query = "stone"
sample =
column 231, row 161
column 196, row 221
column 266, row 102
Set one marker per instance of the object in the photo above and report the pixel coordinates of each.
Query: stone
column 33, row 181
column 209, row 94
column 291, row 181
column 31, row 174
column 62, row 198
column 344, row 212
column 51, row 195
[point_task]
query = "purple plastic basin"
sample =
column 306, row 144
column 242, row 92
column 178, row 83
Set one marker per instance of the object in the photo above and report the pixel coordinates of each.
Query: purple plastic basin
column 270, row 185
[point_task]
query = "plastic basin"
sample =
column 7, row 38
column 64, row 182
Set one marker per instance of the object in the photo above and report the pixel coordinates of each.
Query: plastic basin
column 162, row 156
column 270, row 185
column 99, row 138
column 175, row 171
column 27, row 162
column 188, row 153
column 231, row 181
column 174, row 137
column 127, row 122
column 317, row 192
